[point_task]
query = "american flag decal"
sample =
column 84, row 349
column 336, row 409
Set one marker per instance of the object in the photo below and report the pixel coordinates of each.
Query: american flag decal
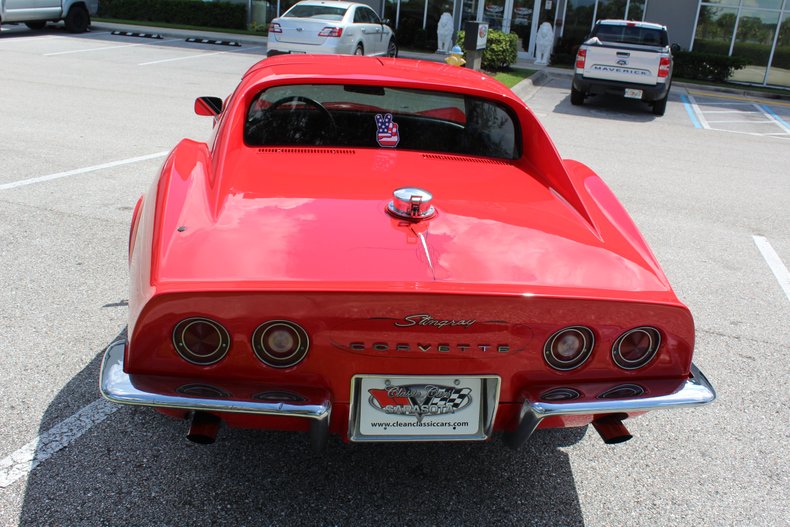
column 386, row 131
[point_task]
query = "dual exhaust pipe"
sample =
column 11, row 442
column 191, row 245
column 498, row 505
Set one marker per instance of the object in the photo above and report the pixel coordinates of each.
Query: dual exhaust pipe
column 203, row 428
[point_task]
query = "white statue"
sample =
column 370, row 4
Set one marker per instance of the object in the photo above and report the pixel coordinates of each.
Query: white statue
column 444, row 33
column 544, row 43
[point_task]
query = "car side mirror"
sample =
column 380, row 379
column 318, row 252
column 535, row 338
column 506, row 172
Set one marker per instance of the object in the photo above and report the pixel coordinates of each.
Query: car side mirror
column 675, row 47
column 208, row 106
column 385, row 21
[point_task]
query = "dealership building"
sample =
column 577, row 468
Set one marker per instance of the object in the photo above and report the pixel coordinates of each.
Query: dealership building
column 757, row 31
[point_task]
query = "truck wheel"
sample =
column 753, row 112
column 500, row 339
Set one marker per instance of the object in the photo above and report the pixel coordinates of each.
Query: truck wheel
column 36, row 24
column 577, row 97
column 660, row 106
column 78, row 19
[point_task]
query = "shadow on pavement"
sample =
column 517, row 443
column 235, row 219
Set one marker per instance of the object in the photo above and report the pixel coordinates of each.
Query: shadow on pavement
column 137, row 468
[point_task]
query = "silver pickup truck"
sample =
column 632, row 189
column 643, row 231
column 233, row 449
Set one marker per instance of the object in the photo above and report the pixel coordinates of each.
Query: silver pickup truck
column 626, row 58
column 35, row 14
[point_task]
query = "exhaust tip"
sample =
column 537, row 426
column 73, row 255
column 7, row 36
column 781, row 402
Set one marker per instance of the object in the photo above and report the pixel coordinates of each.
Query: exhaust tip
column 203, row 428
column 611, row 429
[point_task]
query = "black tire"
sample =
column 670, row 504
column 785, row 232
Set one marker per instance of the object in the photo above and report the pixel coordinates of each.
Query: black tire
column 660, row 106
column 36, row 24
column 360, row 50
column 577, row 97
column 392, row 48
column 77, row 20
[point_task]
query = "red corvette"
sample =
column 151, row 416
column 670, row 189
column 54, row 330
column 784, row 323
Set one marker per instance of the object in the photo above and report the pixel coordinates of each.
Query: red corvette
column 392, row 250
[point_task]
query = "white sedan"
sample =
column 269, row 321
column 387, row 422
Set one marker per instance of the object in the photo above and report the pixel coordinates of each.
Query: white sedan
column 325, row 27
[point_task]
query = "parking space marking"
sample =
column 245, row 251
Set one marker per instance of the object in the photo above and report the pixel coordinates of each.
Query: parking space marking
column 768, row 112
column 774, row 262
column 198, row 56
column 111, row 164
column 85, row 50
column 690, row 111
column 738, row 99
column 44, row 446
column 749, row 109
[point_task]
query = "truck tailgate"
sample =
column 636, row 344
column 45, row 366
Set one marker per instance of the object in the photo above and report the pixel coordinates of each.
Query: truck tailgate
column 622, row 65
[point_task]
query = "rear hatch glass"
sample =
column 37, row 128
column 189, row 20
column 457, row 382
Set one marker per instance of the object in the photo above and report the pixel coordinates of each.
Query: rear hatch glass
column 381, row 117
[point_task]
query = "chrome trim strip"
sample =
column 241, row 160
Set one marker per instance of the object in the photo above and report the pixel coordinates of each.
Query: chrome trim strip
column 117, row 386
column 695, row 391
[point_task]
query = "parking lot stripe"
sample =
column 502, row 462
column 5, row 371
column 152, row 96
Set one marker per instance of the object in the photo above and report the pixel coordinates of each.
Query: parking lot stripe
column 744, row 121
column 698, row 112
column 774, row 262
column 198, row 56
column 44, row 446
column 111, row 164
column 108, row 47
column 768, row 112
column 741, row 98
column 690, row 112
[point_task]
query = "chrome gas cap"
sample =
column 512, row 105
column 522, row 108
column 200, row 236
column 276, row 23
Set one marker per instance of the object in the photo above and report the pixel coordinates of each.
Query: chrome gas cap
column 411, row 203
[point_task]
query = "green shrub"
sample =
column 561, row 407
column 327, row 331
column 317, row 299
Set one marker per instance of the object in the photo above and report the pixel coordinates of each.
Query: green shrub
column 705, row 66
column 186, row 12
column 500, row 50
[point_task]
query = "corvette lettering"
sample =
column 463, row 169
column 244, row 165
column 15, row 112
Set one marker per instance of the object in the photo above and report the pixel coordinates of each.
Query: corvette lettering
column 422, row 347
column 428, row 320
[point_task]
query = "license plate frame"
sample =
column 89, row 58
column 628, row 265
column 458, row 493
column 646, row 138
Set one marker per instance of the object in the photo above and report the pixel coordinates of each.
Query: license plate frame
column 633, row 93
column 412, row 417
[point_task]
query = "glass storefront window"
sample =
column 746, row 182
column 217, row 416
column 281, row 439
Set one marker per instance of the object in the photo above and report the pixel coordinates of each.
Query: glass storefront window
column 611, row 9
column 521, row 23
column 764, row 4
column 636, row 10
column 753, row 41
column 494, row 13
column 578, row 20
column 714, row 29
column 779, row 74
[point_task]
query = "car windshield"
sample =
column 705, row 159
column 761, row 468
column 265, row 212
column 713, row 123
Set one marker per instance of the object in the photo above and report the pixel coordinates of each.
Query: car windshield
column 645, row 36
column 323, row 12
column 381, row 117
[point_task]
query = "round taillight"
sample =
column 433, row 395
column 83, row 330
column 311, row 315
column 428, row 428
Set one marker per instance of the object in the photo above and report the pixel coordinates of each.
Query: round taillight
column 201, row 341
column 280, row 343
column 568, row 348
column 636, row 347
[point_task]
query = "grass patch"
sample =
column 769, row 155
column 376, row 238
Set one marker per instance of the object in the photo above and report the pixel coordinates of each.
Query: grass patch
column 179, row 26
column 513, row 76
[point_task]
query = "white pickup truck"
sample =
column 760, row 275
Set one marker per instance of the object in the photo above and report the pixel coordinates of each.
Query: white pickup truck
column 626, row 58
column 35, row 14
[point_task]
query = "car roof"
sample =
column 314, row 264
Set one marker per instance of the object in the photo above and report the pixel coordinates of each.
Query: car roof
column 636, row 23
column 376, row 70
column 335, row 3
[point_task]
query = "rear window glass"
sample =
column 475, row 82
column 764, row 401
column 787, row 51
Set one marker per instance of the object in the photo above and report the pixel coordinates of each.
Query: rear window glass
column 316, row 11
column 631, row 35
column 380, row 117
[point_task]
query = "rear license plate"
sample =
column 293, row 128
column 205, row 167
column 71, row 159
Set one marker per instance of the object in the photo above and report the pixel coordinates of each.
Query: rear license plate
column 418, row 408
column 633, row 94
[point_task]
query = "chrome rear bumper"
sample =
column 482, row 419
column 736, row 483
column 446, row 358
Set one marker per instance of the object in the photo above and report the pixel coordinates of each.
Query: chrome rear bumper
column 120, row 387
column 695, row 391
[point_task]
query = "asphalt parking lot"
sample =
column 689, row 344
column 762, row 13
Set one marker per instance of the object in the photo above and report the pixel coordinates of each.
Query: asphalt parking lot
column 86, row 122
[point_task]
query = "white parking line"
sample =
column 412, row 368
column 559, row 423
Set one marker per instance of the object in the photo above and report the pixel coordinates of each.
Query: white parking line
column 743, row 121
column 24, row 460
column 773, row 117
column 198, row 56
column 25, row 182
column 698, row 112
column 110, row 47
column 774, row 262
